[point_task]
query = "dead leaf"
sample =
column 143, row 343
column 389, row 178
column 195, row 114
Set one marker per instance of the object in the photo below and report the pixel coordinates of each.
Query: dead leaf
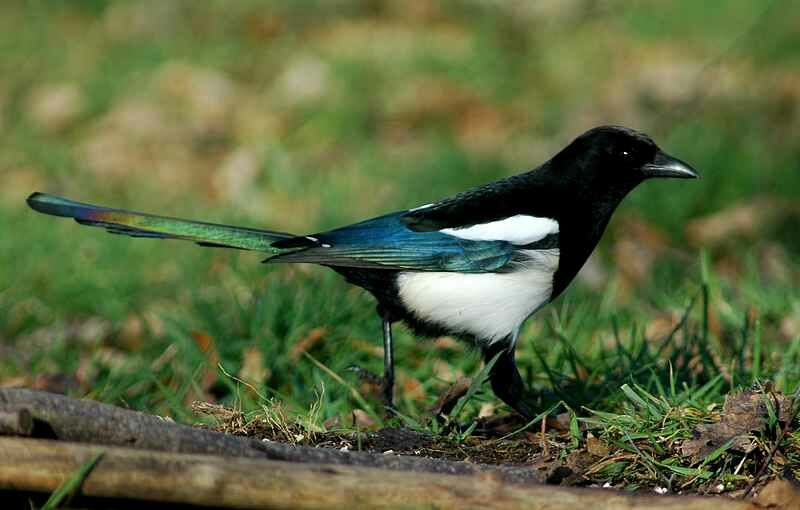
column 741, row 220
column 203, row 340
column 368, row 347
column 18, row 183
column 578, row 461
column 362, row 420
column 131, row 333
column 148, row 18
column 20, row 381
column 482, row 128
column 774, row 263
column 412, row 387
column 333, row 423
column 423, row 100
column 790, row 326
column 209, row 376
column 235, row 178
column 781, row 494
column 487, row 410
column 56, row 107
column 668, row 79
column 543, row 466
column 91, row 331
column 305, row 80
column 307, row 342
column 56, row 383
column 660, row 327
column 253, row 369
column 107, row 357
column 637, row 249
column 446, row 372
column 595, row 446
column 743, row 415
column 448, row 342
column 594, row 274
column 205, row 96
column 570, row 471
column 263, row 27
column 559, row 423
column 447, row 400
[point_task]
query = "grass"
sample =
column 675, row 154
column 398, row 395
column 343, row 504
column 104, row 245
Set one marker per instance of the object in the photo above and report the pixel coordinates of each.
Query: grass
column 302, row 118
column 70, row 486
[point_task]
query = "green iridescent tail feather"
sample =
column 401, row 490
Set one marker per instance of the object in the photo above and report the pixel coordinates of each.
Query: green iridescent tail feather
column 136, row 224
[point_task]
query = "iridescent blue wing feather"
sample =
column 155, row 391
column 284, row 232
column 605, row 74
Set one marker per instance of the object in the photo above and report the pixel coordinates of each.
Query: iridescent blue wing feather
column 387, row 243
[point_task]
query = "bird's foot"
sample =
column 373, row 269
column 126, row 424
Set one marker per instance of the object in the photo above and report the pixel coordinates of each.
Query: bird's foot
column 377, row 385
column 365, row 376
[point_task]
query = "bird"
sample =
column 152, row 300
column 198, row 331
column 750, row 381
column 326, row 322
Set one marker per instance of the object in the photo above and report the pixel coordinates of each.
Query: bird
column 474, row 266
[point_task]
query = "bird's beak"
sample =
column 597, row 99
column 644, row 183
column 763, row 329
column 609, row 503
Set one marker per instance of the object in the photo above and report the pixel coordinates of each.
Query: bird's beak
column 664, row 165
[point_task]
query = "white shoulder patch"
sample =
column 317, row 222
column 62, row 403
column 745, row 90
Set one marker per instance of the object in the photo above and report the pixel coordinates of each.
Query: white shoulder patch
column 422, row 207
column 519, row 229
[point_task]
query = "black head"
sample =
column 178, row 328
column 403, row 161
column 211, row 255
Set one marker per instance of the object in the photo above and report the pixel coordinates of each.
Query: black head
column 589, row 178
column 616, row 158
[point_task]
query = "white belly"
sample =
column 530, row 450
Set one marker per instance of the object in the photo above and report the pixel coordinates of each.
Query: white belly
column 489, row 306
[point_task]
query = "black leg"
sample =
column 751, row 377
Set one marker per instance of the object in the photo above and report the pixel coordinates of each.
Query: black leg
column 388, row 365
column 387, row 381
column 505, row 379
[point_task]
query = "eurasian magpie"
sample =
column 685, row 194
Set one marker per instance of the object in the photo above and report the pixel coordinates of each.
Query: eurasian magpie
column 474, row 266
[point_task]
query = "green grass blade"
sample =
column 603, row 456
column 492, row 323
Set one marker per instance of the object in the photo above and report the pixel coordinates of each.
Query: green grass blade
column 711, row 457
column 68, row 487
column 353, row 391
column 640, row 402
column 477, row 382
column 574, row 429
column 539, row 417
column 757, row 351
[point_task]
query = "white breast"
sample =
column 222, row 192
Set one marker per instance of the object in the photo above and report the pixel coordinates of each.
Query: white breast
column 489, row 306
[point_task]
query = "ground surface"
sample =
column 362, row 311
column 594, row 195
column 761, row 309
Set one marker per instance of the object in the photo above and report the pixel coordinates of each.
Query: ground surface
column 735, row 449
column 301, row 118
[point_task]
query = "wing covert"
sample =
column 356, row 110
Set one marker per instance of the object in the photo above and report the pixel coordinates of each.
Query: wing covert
column 387, row 243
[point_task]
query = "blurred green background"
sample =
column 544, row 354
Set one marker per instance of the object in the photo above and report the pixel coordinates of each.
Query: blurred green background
column 300, row 116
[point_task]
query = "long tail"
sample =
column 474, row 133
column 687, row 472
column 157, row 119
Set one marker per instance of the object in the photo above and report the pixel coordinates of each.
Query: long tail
column 135, row 224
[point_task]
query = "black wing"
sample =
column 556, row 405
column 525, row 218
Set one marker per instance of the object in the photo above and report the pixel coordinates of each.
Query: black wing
column 490, row 202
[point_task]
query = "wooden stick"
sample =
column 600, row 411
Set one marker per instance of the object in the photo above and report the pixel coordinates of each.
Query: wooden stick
column 86, row 421
column 40, row 465
column 17, row 422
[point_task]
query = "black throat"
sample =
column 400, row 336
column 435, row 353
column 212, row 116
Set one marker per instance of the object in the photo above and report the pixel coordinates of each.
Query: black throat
column 583, row 208
column 579, row 233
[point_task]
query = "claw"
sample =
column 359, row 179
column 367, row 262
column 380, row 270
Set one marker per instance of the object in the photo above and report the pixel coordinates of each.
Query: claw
column 377, row 382
column 365, row 375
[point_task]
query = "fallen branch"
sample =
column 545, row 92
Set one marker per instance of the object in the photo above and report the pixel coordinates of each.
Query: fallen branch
column 41, row 465
column 18, row 422
column 85, row 421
